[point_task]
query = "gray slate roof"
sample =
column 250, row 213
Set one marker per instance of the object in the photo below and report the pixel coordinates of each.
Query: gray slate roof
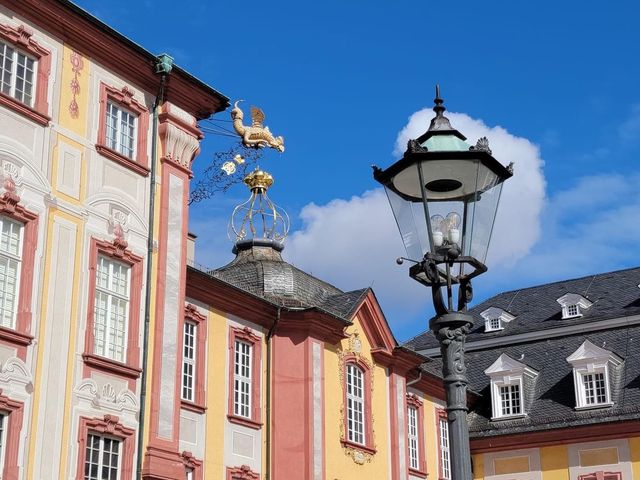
column 614, row 295
column 261, row 271
column 552, row 400
column 553, row 397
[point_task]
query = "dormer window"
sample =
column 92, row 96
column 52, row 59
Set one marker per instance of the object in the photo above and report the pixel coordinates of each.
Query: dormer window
column 495, row 324
column 510, row 381
column 592, row 368
column 495, row 319
column 573, row 305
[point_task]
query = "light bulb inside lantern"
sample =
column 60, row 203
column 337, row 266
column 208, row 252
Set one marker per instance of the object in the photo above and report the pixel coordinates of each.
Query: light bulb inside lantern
column 453, row 227
column 437, row 223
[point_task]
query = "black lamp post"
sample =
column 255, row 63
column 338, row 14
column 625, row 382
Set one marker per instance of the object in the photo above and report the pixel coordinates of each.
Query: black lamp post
column 444, row 195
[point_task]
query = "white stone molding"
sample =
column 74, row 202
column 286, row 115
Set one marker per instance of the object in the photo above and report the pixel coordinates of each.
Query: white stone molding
column 179, row 146
column 575, row 302
column 106, row 399
column 492, row 314
column 506, row 372
column 590, row 359
column 16, row 379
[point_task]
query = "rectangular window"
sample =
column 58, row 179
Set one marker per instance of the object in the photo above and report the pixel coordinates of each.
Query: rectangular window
column 17, row 74
column 412, row 423
column 111, row 310
column 121, row 130
column 189, row 474
column 102, row 458
column 495, row 324
column 355, row 405
column 572, row 310
column 10, row 260
column 242, row 379
column 445, row 458
column 510, row 399
column 595, row 388
column 189, row 362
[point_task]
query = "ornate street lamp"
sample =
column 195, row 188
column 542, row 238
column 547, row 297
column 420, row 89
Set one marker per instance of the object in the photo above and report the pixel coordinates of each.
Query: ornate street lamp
column 444, row 195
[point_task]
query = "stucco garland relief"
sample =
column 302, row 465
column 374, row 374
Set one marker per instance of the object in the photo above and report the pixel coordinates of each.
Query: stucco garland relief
column 354, row 350
column 77, row 64
column 11, row 171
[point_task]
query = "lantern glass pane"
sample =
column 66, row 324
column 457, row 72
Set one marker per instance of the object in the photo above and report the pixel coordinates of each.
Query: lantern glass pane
column 481, row 215
column 466, row 213
column 411, row 222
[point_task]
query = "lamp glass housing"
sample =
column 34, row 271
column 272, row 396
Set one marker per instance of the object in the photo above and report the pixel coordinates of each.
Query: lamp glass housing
column 465, row 189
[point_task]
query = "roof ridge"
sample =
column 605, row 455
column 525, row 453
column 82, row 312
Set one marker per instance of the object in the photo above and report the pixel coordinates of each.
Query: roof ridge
column 594, row 275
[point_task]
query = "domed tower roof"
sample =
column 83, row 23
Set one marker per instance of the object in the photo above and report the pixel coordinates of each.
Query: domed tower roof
column 259, row 228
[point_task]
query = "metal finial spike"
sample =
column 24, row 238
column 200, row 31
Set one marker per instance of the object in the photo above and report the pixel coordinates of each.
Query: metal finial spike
column 439, row 107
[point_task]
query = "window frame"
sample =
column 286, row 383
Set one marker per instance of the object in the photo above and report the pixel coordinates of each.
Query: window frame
column 20, row 38
column 192, row 315
column 20, row 337
column 123, row 100
column 507, row 381
column 492, row 327
column 243, row 472
column 18, row 259
column 442, row 419
column 248, row 336
column 111, row 294
column 414, row 402
column 13, row 411
column 356, row 403
column 189, row 360
column 601, row 475
column 191, row 464
column 101, row 452
column 369, row 445
column 108, row 426
column 579, row 385
column 128, row 369
column 16, row 52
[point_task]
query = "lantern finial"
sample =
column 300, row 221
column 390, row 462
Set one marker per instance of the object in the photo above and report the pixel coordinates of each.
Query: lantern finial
column 439, row 122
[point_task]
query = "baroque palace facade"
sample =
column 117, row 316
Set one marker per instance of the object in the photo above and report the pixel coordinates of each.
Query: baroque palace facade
column 255, row 370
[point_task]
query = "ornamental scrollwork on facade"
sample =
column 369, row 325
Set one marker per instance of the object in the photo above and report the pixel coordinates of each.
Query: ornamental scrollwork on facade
column 353, row 353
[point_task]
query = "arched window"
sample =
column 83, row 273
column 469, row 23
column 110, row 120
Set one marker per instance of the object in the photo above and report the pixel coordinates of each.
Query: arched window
column 355, row 405
column 358, row 423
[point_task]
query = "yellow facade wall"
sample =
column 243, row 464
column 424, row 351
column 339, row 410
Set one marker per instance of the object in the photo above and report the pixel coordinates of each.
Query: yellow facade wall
column 634, row 449
column 75, row 69
column 431, row 436
column 73, row 327
column 216, row 400
column 338, row 463
column 554, row 462
column 478, row 466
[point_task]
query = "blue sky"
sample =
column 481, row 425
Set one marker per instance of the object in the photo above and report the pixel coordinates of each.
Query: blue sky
column 554, row 85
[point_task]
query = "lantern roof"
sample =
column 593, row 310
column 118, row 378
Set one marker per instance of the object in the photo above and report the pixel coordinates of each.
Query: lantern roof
column 440, row 142
column 440, row 126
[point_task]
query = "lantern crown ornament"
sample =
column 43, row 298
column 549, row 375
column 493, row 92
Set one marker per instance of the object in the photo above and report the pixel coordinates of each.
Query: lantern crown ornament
column 444, row 193
column 258, row 220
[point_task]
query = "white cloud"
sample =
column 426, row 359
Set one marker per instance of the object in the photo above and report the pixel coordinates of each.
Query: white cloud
column 591, row 227
column 353, row 243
